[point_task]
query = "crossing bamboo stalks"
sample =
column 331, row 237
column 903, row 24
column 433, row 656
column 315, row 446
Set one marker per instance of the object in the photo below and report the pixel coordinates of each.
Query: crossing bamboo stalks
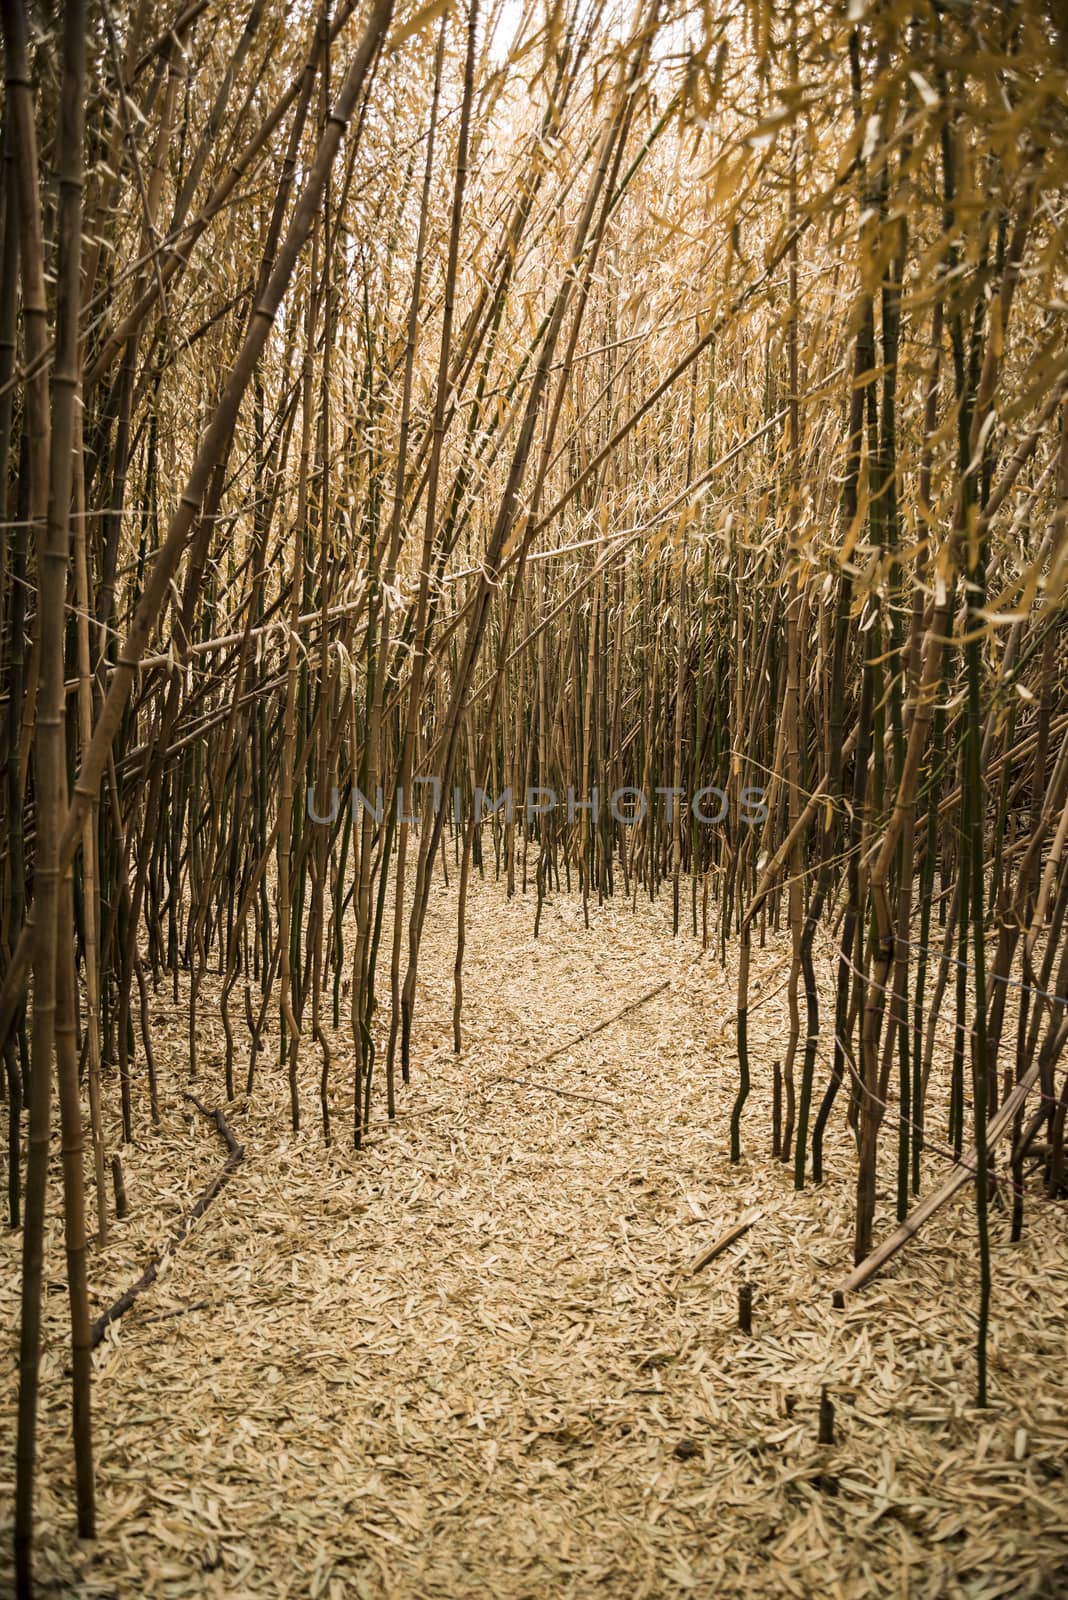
column 395, row 492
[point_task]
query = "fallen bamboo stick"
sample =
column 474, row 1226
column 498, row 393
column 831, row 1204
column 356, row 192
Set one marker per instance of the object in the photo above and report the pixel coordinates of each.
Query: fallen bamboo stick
column 725, row 1240
column 569, row 1094
column 999, row 1125
column 119, row 1307
column 632, row 1005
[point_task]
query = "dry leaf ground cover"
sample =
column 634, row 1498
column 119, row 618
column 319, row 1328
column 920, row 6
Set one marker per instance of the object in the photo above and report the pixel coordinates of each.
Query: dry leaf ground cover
column 473, row 1360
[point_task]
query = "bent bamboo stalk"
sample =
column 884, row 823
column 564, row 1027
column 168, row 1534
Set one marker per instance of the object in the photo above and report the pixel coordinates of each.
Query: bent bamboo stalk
column 1000, row 1125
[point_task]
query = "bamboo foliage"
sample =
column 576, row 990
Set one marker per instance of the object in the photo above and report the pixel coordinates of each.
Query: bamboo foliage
column 398, row 488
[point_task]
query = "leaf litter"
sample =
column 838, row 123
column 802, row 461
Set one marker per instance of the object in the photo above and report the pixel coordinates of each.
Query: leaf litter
column 474, row 1359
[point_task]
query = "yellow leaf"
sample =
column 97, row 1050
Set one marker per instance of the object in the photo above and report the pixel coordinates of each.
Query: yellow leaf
column 420, row 19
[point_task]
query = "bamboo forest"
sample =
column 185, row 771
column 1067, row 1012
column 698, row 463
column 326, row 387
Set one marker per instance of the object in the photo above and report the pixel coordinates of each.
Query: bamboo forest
column 534, row 799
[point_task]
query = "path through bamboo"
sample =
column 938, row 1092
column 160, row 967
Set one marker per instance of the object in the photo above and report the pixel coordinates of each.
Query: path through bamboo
column 462, row 1363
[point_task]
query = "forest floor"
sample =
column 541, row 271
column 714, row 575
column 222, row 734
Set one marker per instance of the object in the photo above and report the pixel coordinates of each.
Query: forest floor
column 474, row 1360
